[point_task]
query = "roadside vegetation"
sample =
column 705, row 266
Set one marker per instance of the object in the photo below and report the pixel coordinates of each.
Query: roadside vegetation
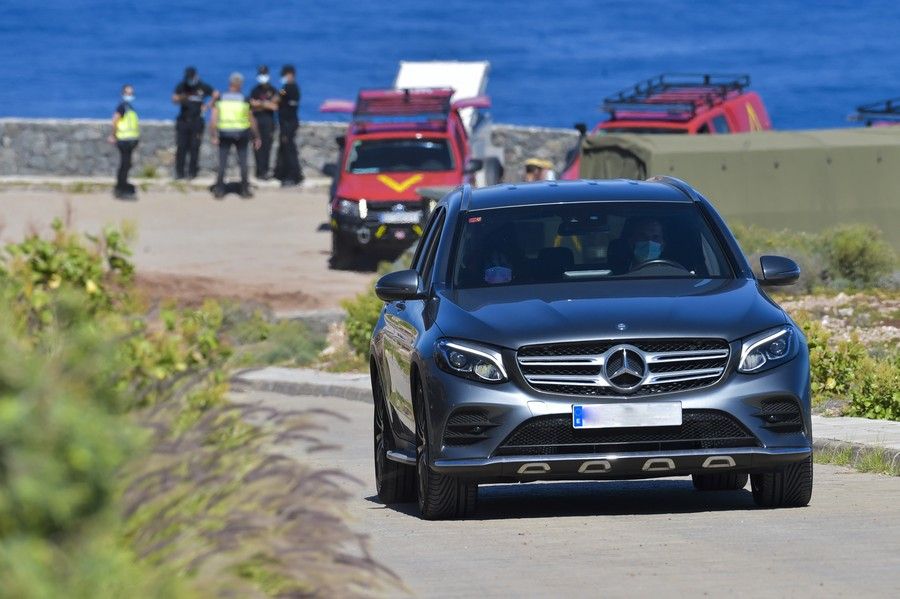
column 847, row 302
column 125, row 470
column 866, row 459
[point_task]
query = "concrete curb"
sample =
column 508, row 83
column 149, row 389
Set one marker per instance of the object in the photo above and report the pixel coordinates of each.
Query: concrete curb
column 305, row 381
column 891, row 455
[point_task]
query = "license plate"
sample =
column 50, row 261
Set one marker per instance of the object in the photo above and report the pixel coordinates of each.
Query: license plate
column 401, row 218
column 622, row 415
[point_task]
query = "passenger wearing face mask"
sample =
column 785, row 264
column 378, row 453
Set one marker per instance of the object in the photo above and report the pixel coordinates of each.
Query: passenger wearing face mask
column 287, row 163
column 264, row 103
column 125, row 136
column 195, row 97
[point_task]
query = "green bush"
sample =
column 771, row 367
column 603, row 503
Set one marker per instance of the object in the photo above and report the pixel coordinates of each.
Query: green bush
column 847, row 256
column 363, row 312
column 846, row 370
column 858, row 254
column 124, row 470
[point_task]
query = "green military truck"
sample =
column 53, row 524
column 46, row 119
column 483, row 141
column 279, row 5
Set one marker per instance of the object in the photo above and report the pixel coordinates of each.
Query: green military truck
column 803, row 180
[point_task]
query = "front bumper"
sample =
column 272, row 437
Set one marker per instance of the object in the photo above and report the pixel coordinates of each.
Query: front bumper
column 621, row 465
column 371, row 232
column 511, row 404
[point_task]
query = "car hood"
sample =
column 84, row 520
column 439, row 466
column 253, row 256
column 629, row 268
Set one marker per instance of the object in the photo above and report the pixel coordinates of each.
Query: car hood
column 521, row 315
column 397, row 187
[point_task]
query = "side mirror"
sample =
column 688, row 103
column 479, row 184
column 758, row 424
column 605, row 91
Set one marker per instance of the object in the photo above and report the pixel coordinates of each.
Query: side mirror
column 581, row 128
column 330, row 169
column 473, row 165
column 777, row 270
column 340, row 140
column 399, row 286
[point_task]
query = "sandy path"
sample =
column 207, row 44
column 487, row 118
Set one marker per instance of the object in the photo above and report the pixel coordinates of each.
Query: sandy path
column 191, row 246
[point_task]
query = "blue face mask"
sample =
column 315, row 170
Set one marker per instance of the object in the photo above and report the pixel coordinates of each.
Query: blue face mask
column 284, row 80
column 647, row 250
column 128, row 98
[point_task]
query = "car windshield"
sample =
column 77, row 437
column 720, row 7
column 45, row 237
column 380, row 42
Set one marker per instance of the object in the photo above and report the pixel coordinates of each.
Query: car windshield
column 399, row 155
column 586, row 242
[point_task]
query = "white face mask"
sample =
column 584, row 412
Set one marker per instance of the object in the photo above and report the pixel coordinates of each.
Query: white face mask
column 262, row 79
column 128, row 98
column 647, row 250
column 284, row 80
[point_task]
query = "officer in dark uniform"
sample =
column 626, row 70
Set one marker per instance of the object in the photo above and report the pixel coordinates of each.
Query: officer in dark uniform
column 194, row 96
column 264, row 103
column 287, row 165
column 125, row 136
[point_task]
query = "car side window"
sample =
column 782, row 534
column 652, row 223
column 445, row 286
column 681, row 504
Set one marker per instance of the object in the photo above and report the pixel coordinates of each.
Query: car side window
column 720, row 125
column 419, row 254
column 431, row 251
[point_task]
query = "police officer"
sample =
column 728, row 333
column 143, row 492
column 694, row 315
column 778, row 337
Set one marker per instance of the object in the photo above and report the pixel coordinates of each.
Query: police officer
column 233, row 124
column 287, row 164
column 194, row 96
column 264, row 103
column 125, row 136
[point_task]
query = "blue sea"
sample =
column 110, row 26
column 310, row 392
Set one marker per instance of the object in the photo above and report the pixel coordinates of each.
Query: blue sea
column 551, row 62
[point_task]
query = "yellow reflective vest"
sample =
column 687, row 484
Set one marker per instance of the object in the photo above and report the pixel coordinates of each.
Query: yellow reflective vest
column 127, row 126
column 234, row 112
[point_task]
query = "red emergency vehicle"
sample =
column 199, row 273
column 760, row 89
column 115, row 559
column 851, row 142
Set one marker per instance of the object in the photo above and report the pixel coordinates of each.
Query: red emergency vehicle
column 398, row 141
column 685, row 104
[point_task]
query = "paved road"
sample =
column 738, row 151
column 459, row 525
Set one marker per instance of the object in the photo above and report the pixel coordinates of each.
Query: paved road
column 616, row 539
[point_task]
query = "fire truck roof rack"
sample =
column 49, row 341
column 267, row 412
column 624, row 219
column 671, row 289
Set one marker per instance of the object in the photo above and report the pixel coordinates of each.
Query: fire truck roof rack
column 673, row 96
column 883, row 110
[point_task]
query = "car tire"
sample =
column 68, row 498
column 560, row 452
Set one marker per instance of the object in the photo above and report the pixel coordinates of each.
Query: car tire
column 394, row 482
column 790, row 486
column 440, row 497
column 342, row 257
column 721, row 481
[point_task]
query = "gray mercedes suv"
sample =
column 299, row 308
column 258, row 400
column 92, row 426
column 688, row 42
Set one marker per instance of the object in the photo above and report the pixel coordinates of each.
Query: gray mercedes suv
column 586, row 330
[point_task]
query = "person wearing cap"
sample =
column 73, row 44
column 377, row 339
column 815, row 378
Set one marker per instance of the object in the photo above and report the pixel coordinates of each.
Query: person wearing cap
column 538, row 169
column 264, row 103
column 194, row 97
column 125, row 136
column 233, row 124
column 287, row 163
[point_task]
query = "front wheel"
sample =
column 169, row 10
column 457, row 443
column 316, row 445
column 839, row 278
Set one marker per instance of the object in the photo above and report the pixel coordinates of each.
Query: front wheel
column 788, row 487
column 440, row 496
column 342, row 255
column 394, row 482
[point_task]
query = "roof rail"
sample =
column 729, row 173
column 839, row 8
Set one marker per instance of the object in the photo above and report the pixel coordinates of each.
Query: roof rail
column 676, row 183
column 674, row 96
column 883, row 110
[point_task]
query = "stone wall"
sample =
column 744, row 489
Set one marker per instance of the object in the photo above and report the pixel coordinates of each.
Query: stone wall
column 78, row 147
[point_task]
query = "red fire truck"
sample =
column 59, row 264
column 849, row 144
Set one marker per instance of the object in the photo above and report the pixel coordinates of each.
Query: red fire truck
column 685, row 104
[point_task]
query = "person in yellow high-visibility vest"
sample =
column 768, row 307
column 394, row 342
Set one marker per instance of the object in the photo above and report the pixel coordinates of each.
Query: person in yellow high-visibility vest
column 125, row 136
column 233, row 124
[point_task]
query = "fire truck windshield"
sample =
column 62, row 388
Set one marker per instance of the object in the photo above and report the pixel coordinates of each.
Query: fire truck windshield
column 399, row 155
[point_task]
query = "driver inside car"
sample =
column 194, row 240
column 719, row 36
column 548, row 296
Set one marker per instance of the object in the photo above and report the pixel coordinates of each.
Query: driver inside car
column 647, row 241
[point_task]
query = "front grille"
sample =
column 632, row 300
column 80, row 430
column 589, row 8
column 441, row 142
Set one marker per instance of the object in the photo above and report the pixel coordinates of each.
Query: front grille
column 554, row 435
column 780, row 415
column 581, row 368
column 467, row 426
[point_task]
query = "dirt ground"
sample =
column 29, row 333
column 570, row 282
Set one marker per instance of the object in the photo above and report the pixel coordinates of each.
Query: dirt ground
column 190, row 246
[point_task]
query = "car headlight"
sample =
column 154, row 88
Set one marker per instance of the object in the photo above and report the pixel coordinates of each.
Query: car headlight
column 470, row 360
column 768, row 349
column 347, row 207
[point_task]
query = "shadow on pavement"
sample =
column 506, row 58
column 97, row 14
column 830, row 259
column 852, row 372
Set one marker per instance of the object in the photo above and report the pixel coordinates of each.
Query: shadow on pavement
column 595, row 498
